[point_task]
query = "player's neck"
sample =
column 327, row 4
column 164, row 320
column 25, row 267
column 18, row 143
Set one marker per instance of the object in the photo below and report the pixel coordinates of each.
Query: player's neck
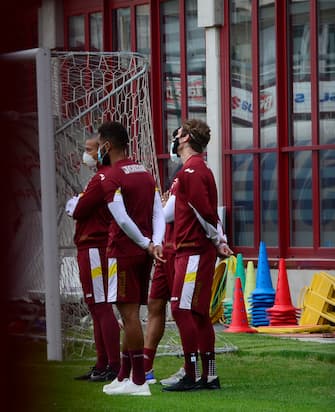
column 187, row 153
column 116, row 156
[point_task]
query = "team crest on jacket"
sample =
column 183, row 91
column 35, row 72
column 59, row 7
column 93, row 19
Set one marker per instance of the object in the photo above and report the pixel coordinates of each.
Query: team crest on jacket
column 102, row 176
column 188, row 170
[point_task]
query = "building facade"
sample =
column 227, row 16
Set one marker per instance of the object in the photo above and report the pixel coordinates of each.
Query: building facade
column 262, row 73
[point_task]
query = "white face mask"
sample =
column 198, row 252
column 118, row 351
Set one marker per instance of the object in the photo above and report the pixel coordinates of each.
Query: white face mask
column 89, row 160
column 173, row 156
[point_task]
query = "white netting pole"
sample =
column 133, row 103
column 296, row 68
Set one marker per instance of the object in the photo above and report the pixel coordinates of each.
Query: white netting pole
column 49, row 205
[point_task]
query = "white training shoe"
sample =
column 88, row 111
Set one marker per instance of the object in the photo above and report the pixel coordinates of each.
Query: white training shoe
column 128, row 387
column 114, row 385
column 173, row 378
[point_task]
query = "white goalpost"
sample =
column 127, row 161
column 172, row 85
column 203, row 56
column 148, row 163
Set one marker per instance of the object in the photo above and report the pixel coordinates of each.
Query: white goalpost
column 48, row 196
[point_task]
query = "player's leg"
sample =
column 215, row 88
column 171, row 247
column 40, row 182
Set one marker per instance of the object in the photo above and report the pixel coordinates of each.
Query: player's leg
column 181, row 300
column 159, row 294
column 154, row 332
column 132, row 290
column 110, row 333
column 109, row 326
column 205, row 329
column 88, row 264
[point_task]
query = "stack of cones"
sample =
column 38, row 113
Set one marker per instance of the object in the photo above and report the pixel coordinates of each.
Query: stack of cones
column 239, row 321
column 263, row 295
column 250, row 285
column 282, row 313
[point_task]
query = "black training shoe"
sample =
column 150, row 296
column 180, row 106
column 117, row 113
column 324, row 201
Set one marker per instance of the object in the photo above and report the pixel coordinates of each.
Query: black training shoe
column 102, row 375
column 86, row 376
column 203, row 384
column 184, row 384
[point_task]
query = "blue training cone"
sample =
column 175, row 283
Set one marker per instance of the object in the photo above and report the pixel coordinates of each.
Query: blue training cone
column 263, row 295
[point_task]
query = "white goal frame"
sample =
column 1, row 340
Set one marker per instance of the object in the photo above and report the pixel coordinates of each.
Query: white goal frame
column 42, row 59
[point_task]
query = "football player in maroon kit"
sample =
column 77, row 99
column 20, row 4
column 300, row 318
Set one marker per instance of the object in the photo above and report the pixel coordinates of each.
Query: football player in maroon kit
column 161, row 286
column 135, row 238
column 160, row 290
column 92, row 221
column 199, row 238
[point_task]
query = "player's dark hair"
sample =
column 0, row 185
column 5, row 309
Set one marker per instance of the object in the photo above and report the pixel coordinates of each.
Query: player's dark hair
column 175, row 132
column 116, row 133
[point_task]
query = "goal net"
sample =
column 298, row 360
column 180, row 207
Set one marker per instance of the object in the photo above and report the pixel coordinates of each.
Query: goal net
column 87, row 89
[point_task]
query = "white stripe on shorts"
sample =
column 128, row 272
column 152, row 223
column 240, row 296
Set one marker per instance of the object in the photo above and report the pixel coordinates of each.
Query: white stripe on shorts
column 189, row 282
column 96, row 275
column 112, row 280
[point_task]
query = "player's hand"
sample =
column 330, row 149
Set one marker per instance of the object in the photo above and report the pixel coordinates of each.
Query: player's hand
column 224, row 250
column 71, row 205
column 165, row 197
column 158, row 253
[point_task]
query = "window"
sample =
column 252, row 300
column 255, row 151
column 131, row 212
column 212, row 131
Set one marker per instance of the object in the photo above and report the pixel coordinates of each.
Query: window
column 123, row 29
column 183, row 70
column 143, row 37
column 281, row 148
column 84, row 29
column 76, row 34
column 131, row 27
column 96, row 32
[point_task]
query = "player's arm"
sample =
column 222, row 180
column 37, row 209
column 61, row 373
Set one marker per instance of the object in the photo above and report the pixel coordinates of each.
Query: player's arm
column 119, row 212
column 207, row 215
column 158, row 226
column 90, row 199
column 215, row 234
column 199, row 198
column 71, row 204
column 169, row 209
column 158, row 221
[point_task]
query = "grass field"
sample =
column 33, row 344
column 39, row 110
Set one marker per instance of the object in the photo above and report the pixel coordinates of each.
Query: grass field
column 265, row 374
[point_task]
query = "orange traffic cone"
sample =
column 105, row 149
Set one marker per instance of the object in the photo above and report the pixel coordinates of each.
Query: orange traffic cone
column 239, row 321
column 283, row 312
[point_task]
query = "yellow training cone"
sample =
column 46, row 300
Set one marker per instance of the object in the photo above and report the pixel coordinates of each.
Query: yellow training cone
column 250, row 285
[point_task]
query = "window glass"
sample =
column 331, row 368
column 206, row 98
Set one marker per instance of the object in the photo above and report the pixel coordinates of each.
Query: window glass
column 301, row 199
column 170, row 38
column 327, row 70
column 241, row 74
column 301, row 73
column 269, row 199
column 267, row 74
column 77, row 32
column 327, row 198
column 96, row 31
column 196, row 63
column 143, row 29
column 243, row 195
column 123, row 29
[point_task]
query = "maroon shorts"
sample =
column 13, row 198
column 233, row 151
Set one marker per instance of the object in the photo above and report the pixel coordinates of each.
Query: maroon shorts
column 92, row 265
column 128, row 279
column 162, row 280
column 192, row 286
